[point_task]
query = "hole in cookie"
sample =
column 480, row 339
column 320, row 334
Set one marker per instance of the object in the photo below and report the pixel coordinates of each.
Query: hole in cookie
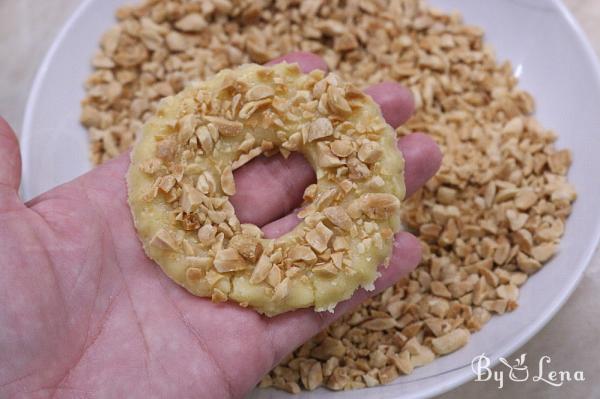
column 269, row 188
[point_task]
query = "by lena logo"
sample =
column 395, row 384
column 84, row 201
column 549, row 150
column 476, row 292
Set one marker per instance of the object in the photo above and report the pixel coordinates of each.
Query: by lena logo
column 519, row 371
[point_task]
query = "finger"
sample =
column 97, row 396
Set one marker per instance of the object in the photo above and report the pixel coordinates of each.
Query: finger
column 10, row 166
column 307, row 61
column 422, row 159
column 396, row 102
column 292, row 329
column 281, row 226
column 10, row 171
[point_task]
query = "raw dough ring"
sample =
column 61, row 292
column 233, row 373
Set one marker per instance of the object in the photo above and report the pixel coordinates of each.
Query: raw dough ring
column 181, row 177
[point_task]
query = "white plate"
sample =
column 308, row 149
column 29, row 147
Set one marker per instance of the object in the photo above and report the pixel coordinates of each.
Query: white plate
column 553, row 61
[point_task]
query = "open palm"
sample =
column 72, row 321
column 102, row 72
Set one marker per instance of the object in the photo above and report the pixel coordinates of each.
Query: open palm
column 86, row 314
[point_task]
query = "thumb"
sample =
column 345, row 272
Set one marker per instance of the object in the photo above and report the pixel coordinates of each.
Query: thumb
column 10, row 166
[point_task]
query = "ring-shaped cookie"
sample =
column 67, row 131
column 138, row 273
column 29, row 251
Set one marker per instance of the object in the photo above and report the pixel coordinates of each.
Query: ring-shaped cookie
column 181, row 177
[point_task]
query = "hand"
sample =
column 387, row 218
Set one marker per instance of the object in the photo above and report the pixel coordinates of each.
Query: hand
column 86, row 314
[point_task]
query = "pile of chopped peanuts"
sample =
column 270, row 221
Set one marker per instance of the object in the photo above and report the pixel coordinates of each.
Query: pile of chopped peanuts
column 492, row 216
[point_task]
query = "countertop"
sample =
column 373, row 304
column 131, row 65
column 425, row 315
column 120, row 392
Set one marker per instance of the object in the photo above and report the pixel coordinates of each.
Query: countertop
column 570, row 339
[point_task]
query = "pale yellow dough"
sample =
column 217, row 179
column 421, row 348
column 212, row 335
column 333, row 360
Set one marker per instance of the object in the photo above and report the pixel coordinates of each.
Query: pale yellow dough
column 180, row 180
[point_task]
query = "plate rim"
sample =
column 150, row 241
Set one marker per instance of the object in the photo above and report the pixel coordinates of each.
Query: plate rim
column 34, row 93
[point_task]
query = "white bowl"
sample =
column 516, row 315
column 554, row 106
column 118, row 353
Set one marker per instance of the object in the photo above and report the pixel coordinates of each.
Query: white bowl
column 553, row 61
